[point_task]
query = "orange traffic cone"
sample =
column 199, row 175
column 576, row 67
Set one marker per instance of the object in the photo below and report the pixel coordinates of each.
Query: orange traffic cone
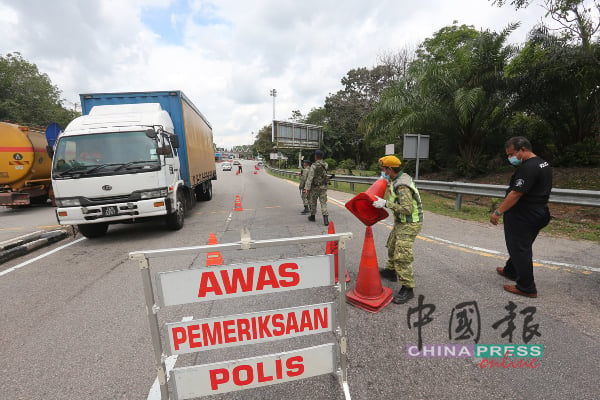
column 368, row 293
column 361, row 205
column 332, row 248
column 214, row 257
column 238, row 204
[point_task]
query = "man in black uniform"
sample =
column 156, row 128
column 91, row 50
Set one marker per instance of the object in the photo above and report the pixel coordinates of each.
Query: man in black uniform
column 525, row 210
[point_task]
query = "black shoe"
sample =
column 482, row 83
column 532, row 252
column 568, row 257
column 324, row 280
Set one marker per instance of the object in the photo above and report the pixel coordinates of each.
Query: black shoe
column 311, row 218
column 326, row 220
column 404, row 295
column 388, row 274
column 305, row 211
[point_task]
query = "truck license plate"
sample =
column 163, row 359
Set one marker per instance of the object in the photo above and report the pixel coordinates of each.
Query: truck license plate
column 110, row 211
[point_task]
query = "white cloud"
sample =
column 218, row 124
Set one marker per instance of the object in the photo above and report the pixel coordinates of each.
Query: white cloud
column 226, row 55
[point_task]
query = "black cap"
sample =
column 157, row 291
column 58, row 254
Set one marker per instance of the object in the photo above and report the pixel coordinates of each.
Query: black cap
column 319, row 153
column 306, row 161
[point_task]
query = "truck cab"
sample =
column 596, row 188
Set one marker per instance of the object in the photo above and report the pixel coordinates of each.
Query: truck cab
column 116, row 164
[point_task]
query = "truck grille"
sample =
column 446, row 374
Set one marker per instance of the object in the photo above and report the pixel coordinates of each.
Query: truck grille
column 108, row 200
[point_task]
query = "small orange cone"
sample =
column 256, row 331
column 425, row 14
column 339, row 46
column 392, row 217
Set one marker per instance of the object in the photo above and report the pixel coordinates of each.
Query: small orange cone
column 214, row 257
column 368, row 294
column 238, row 204
column 332, row 248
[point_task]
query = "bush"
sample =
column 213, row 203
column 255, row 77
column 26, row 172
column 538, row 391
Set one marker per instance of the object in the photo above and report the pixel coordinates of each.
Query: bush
column 331, row 163
column 375, row 167
column 348, row 164
column 583, row 154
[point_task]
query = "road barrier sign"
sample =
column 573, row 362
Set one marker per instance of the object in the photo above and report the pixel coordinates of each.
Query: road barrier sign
column 231, row 281
column 235, row 330
column 215, row 283
column 210, row 379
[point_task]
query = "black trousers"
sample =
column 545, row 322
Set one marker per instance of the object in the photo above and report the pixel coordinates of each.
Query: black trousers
column 521, row 228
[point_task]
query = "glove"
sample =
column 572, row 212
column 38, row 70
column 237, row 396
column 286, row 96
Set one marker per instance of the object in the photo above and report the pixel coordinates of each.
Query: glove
column 379, row 203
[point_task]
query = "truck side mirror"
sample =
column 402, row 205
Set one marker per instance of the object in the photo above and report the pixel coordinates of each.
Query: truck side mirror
column 151, row 133
column 174, row 139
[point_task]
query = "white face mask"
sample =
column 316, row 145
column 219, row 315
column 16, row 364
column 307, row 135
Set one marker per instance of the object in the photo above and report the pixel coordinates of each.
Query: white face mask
column 384, row 175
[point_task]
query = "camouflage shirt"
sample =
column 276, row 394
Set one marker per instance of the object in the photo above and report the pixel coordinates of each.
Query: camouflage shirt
column 303, row 176
column 317, row 175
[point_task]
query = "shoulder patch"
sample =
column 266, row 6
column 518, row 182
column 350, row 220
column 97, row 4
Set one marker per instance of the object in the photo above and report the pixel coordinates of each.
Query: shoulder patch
column 519, row 182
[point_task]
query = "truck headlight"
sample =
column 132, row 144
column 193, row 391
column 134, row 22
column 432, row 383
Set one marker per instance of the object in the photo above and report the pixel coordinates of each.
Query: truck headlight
column 153, row 194
column 72, row 202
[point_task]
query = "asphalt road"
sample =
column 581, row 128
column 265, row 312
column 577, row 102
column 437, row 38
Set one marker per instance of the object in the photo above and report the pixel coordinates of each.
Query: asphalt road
column 16, row 222
column 74, row 325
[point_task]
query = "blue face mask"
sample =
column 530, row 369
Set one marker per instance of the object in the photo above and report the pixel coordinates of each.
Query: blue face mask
column 384, row 175
column 514, row 161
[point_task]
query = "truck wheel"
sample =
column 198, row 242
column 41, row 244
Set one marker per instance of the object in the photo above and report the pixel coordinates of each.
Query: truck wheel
column 93, row 230
column 175, row 219
column 204, row 192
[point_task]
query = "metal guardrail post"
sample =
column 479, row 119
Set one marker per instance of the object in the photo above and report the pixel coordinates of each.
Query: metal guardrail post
column 458, row 203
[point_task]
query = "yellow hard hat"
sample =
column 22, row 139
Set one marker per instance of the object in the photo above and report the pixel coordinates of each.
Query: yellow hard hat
column 389, row 161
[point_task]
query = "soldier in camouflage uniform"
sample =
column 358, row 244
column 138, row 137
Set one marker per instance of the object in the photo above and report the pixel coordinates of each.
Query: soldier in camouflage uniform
column 303, row 176
column 402, row 197
column 316, row 187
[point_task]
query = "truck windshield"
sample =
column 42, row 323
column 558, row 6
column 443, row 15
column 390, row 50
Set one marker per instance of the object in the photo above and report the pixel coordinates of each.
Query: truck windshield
column 105, row 153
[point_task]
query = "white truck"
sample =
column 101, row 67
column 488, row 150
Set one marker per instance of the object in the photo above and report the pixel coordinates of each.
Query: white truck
column 131, row 156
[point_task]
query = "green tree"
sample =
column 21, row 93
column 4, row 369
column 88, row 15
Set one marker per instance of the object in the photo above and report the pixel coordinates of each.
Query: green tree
column 556, row 81
column 263, row 144
column 579, row 19
column 455, row 92
column 346, row 108
column 28, row 96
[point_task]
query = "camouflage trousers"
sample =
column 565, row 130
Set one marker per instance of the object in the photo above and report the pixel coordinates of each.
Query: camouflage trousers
column 313, row 195
column 400, row 251
column 304, row 197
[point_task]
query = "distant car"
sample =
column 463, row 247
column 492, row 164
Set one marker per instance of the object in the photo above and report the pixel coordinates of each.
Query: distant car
column 236, row 162
column 226, row 166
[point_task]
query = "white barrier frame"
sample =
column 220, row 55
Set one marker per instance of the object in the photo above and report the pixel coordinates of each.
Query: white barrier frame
column 152, row 308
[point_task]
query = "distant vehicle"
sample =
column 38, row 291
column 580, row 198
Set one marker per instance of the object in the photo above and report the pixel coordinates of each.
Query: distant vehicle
column 226, row 166
column 236, row 162
column 132, row 155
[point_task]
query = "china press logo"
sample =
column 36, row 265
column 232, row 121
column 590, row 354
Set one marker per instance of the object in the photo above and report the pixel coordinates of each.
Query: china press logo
column 465, row 325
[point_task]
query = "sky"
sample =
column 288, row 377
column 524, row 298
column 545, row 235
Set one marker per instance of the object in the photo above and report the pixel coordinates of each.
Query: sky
column 227, row 55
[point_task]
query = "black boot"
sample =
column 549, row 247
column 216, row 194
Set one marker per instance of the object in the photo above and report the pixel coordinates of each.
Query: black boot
column 404, row 295
column 326, row 220
column 305, row 211
column 388, row 274
column 311, row 218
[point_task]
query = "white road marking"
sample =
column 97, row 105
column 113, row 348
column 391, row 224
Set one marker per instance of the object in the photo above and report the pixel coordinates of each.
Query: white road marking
column 16, row 267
